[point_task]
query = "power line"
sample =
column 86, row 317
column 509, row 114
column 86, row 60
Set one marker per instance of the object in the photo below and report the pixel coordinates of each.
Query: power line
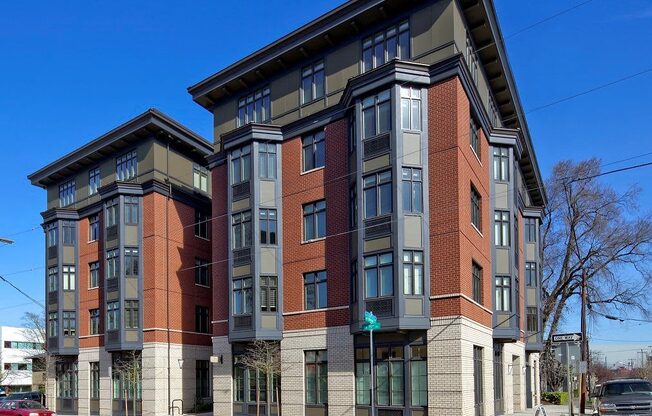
column 22, row 292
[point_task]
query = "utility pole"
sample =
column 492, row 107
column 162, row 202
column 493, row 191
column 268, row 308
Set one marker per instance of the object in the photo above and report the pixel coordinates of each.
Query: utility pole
column 583, row 346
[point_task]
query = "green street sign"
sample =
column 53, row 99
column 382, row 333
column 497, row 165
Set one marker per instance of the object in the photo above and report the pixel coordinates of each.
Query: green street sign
column 371, row 322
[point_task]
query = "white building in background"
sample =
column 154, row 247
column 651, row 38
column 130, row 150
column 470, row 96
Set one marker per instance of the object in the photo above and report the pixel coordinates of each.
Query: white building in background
column 15, row 350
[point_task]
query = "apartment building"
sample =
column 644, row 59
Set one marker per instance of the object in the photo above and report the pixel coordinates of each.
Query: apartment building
column 128, row 287
column 16, row 348
column 376, row 159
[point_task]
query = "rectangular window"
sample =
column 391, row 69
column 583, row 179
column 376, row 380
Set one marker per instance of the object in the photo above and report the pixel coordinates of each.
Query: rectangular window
column 389, row 376
column 530, row 230
column 201, row 224
column 501, row 228
column 202, row 319
column 393, row 42
column 377, row 194
column 131, row 314
column 376, row 115
column 418, row 376
column 131, row 210
column 254, row 108
column 531, row 274
column 94, row 228
column 314, row 290
column 240, row 165
column 67, row 193
column 316, row 372
column 95, row 379
column 126, row 166
column 112, row 264
column 379, row 275
column 471, row 60
column 53, row 279
column 111, row 217
column 112, row 316
column 127, row 384
column 131, row 262
column 532, row 320
column 93, row 181
column 314, row 220
column 268, row 293
column 202, row 379
column 69, row 323
column 476, row 273
column 503, row 293
column 69, row 233
column 313, row 153
column 202, row 274
column 242, row 296
column 94, row 321
column 478, row 380
column 476, row 208
column 411, row 108
column 199, row 177
column 474, row 137
column 51, row 235
column 412, row 272
column 412, row 190
column 267, row 160
column 241, row 226
column 52, row 324
column 68, row 276
column 66, row 377
column 517, row 243
column 312, row 82
column 93, row 275
column 268, row 226
column 501, row 164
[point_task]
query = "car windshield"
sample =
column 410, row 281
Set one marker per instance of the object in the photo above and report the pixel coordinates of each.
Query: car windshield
column 618, row 389
column 31, row 405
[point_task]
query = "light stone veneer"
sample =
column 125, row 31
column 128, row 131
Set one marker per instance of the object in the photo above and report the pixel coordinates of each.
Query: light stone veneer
column 223, row 377
column 514, row 377
column 535, row 381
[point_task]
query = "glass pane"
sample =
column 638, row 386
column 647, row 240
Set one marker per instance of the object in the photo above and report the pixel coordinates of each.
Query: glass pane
column 416, row 115
column 311, row 387
column 407, row 196
column 320, row 154
column 322, row 295
column 404, row 45
column 379, row 52
column 417, row 201
column 391, row 48
column 319, row 84
column 309, row 227
column 306, row 86
column 384, row 117
column 385, row 198
column 370, row 208
column 387, row 281
column 397, row 383
column 321, row 224
column 246, row 167
column 418, row 280
column 310, row 296
column 405, row 114
column 362, row 386
column 368, row 122
column 382, row 384
column 407, row 279
column 371, row 283
column 367, row 60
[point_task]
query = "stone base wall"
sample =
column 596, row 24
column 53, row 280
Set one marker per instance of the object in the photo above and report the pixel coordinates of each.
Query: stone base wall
column 514, row 377
column 535, row 378
column 223, row 377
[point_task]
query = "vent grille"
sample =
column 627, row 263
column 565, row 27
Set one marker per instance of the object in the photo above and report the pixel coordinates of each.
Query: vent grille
column 112, row 232
column 112, row 284
column 388, row 412
column 240, row 191
column 382, row 307
column 112, row 337
column 53, row 297
column 376, row 146
column 241, row 256
column 242, row 322
column 52, row 252
column 377, row 227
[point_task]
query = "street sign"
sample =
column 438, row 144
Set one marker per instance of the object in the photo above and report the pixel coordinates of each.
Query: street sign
column 572, row 337
column 370, row 322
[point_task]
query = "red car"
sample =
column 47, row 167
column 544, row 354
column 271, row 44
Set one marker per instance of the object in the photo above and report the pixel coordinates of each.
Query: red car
column 23, row 408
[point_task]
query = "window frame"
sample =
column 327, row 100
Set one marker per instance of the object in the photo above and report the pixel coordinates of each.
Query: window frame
column 371, row 46
column 313, row 151
column 53, row 279
column 502, row 228
column 501, row 164
column 199, row 177
column 476, row 278
column 132, row 262
column 202, row 319
column 69, row 319
column 503, row 295
column 243, row 288
column 202, row 272
column 53, row 324
column 373, row 105
column 532, row 319
column 474, row 136
column 377, row 184
column 413, row 184
column 67, row 193
column 315, row 282
column 132, row 314
column 379, row 264
column 202, row 230
column 131, row 210
column 255, row 107
column 411, row 105
column 112, row 269
column 113, row 316
column 411, row 264
column 240, row 165
column 93, row 228
column 478, row 380
column 531, row 274
column 476, row 208
column 241, row 230
column 312, row 213
column 94, row 275
column 69, row 231
column 94, row 321
column 69, row 277
column 267, row 160
column 112, row 213
column 126, row 166
column 268, row 226
column 94, row 181
column 530, row 229
column 94, row 370
column 268, row 293
column 316, row 369
column 309, row 76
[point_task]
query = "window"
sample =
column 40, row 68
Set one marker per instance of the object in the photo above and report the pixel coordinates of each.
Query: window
column 316, row 377
column 254, row 108
column 314, row 290
column 201, row 225
column 413, row 272
column 378, row 275
column 201, row 319
column 240, row 165
column 389, row 376
column 67, row 193
column 353, row 206
column 501, row 228
column 530, row 230
column 501, row 164
column 93, row 181
column 471, row 61
column 199, row 177
column 268, row 226
column 201, row 272
column 112, row 316
column 111, row 213
column 476, row 273
column 517, row 243
column 94, row 228
column 392, row 43
column 376, row 115
column 412, row 190
column 131, row 314
column 377, row 196
column 314, row 220
column 312, row 82
column 53, row 279
column 66, row 376
column 474, row 137
column 478, row 381
column 69, row 324
column 126, row 166
column 476, row 208
column 94, row 275
column 419, row 375
column 95, row 379
column 94, row 321
column 52, row 324
column 532, row 320
column 268, row 293
column 313, row 151
column 127, row 385
column 51, row 235
column 410, row 108
column 112, row 264
column 131, row 210
column 68, row 277
column 241, row 230
column 131, row 262
column 531, row 274
column 68, row 228
column 242, row 296
column 202, row 379
column 267, row 160
column 249, row 384
column 503, row 293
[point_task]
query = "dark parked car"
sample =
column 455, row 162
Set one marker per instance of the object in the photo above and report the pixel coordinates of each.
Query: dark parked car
column 23, row 408
column 630, row 397
column 36, row 396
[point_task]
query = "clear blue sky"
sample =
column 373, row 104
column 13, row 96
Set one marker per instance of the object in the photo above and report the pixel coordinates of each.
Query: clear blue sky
column 71, row 71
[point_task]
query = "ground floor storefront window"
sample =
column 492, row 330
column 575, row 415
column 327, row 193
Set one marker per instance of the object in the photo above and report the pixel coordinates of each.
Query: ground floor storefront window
column 67, row 386
column 250, row 390
column 126, row 381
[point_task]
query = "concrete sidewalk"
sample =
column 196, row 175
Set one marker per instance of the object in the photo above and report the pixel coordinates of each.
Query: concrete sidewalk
column 554, row 410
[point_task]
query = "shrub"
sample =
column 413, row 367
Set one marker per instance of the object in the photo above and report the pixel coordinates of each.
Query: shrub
column 555, row 397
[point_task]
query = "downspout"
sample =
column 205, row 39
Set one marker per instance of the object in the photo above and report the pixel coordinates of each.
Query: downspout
column 167, row 264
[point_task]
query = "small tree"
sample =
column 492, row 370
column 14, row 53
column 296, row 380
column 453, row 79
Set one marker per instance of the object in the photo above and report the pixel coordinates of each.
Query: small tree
column 264, row 357
column 129, row 369
column 34, row 331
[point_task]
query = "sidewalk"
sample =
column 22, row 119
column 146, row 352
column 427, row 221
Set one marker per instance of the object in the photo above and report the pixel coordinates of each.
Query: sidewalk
column 554, row 410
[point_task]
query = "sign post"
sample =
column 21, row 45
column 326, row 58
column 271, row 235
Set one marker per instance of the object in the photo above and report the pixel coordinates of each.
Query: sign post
column 371, row 324
column 567, row 339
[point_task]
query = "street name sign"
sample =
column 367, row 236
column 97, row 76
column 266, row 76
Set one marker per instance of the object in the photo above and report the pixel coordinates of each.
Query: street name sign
column 572, row 337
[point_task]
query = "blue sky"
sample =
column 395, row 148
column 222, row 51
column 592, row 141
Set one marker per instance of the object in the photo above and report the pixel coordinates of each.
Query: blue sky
column 71, row 71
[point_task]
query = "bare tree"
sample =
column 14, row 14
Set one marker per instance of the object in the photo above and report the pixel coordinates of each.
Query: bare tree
column 591, row 228
column 129, row 370
column 4, row 374
column 34, row 331
column 264, row 357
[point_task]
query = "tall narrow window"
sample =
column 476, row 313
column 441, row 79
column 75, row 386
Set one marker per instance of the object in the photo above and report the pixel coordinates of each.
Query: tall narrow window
column 313, row 151
column 316, row 372
column 530, row 230
column 112, row 316
column 312, row 82
column 267, row 160
column 111, row 217
column 69, row 233
column 376, row 115
column 51, row 235
column 501, row 164
column 240, row 165
column 95, row 379
column 68, row 277
column 199, row 177
column 131, row 314
column 377, row 194
column 379, row 275
column 419, row 376
column 390, row 381
column 471, row 61
column 314, row 289
column 476, row 208
column 474, row 137
column 94, row 275
column 131, row 262
column 410, row 108
column 503, row 293
column 413, row 272
column 501, row 228
column 242, row 296
column 268, row 225
column 202, row 221
column 94, row 228
column 532, row 320
column 202, row 275
column 53, row 279
column 126, row 166
column 412, row 190
column 93, row 181
column 94, row 315
column 67, row 193
column 393, row 42
column 53, row 327
column 314, row 220
column 254, row 108
column 478, row 380
column 202, row 379
column 241, row 225
column 476, row 275
column 517, row 244
column 66, row 377
column 531, row 274
column 112, row 264
column 131, row 210
column 268, row 293
column 69, row 323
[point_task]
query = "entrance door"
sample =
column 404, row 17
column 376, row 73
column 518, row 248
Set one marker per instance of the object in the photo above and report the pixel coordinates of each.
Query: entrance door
column 528, row 386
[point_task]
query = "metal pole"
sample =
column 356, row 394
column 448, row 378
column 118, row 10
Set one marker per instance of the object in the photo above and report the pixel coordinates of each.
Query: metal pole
column 371, row 357
column 569, row 381
column 583, row 346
